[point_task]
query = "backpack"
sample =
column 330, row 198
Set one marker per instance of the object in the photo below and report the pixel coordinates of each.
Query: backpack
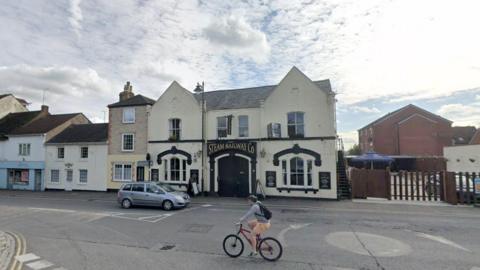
column 265, row 212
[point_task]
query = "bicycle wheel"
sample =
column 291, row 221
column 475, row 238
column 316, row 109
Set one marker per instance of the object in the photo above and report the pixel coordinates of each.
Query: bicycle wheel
column 270, row 249
column 233, row 245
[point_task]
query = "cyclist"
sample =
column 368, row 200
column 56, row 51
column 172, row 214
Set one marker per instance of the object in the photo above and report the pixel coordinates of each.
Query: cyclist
column 258, row 225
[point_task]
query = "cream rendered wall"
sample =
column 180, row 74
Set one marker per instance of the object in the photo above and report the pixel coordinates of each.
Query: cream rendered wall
column 175, row 102
column 254, row 124
column 10, row 104
column 458, row 158
column 132, row 159
column 296, row 92
column 96, row 164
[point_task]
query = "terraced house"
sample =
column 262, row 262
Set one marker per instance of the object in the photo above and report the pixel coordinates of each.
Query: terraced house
column 278, row 138
column 127, row 131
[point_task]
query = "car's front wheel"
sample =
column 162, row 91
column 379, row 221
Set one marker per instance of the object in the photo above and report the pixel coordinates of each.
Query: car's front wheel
column 126, row 203
column 167, row 205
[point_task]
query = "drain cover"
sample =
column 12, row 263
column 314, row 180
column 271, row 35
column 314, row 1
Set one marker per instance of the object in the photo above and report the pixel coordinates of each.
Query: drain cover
column 197, row 228
column 167, row 247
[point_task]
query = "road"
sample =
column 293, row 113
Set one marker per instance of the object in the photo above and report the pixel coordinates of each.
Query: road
column 85, row 232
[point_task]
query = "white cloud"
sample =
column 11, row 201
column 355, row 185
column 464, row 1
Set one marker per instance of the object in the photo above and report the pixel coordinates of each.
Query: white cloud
column 76, row 16
column 237, row 36
column 66, row 89
column 460, row 114
column 364, row 109
column 349, row 138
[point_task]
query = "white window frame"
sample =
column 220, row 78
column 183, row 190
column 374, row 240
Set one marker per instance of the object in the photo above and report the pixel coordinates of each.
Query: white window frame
column 172, row 131
column 123, row 142
column 167, row 172
column 296, row 124
column 24, row 149
column 122, row 179
column 306, row 172
column 81, row 152
column 221, row 127
column 58, row 152
column 125, row 118
column 57, row 179
column 240, row 126
column 80, row 176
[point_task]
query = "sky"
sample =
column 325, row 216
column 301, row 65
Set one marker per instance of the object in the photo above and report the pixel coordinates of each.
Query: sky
column 76, row 55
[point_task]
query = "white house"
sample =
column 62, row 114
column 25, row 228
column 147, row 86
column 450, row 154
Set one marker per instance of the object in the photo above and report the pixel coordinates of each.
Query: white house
column 281, row 138
column 11, row 104
column 22, row 136
column 76, row 158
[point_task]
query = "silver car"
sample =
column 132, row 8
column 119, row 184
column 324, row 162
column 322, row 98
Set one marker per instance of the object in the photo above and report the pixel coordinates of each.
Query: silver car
column 151, row 194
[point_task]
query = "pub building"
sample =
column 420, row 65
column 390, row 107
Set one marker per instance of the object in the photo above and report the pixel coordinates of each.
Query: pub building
column 278, row 138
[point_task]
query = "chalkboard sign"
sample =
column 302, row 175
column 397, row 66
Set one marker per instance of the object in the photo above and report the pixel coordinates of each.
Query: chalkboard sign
column 194, row 176
column 324, row 180
column 271, row 178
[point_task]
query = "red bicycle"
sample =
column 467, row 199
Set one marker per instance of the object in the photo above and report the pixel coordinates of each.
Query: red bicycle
column 269, row 248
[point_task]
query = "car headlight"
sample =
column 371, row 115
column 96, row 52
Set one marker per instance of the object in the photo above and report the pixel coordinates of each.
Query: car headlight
column 179, row 198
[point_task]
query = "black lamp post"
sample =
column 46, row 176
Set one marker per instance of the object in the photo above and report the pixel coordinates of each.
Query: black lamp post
column 201, row 89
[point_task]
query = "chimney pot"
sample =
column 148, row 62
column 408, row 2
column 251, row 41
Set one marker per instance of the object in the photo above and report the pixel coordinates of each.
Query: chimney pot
column 127, row 92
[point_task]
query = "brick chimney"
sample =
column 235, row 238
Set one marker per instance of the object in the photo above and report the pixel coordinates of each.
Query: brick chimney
column 127, row 92
column 44, row 109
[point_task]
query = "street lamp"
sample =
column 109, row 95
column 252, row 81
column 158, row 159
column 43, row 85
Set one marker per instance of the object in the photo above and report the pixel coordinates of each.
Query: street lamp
column 201, row 89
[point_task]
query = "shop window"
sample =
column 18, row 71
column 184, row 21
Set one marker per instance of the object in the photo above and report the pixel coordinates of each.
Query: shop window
column 243, row 126
column 174, row 169
column 175, row 129
column 296, row 171
column 295, row 122
column 19, row 177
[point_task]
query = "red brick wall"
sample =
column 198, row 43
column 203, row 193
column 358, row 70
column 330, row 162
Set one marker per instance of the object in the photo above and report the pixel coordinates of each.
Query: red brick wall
column 415, row 136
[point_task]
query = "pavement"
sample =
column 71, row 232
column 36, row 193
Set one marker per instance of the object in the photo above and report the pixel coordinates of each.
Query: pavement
column 88, row 230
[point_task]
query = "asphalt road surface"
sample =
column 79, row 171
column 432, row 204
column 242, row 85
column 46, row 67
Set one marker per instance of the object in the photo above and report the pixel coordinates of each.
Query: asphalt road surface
column 78, row 232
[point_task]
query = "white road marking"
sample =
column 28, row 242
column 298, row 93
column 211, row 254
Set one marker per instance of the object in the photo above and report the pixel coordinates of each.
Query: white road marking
column 281, row 234
column 39, row 265
column 206, row 205
column 155, row 219
column 442, row 240
column 27, row 257
column 475, row 268
column 52, row 210
column 61, row 268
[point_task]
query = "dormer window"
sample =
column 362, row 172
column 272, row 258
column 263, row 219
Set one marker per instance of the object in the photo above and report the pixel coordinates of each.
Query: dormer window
column 295, row 122
column 128, row 115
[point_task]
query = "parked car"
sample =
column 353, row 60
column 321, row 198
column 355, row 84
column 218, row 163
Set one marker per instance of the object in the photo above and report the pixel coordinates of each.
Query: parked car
column 151, row 194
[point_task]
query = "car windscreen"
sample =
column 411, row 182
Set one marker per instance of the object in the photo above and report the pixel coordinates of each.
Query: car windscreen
column 167, row 188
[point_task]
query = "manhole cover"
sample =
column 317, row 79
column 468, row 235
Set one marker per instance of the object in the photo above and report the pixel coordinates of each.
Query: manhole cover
column 197, row 228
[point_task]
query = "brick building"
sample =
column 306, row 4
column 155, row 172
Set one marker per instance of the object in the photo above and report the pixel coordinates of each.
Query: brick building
column 412, row 131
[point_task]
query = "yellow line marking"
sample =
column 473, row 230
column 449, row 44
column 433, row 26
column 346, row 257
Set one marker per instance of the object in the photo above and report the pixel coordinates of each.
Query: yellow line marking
column 13, row 266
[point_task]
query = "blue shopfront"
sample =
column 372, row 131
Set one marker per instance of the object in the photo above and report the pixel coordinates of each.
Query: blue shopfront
column 22, row 175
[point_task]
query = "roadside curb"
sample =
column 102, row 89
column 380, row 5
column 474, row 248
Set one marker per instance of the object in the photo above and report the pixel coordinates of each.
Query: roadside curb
column 11, row 245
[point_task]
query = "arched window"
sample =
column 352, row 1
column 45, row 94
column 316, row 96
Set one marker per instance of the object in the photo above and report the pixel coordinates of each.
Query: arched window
column 175, row 169
column 297, row 171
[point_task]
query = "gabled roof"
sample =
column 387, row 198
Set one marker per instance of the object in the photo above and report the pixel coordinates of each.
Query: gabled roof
column 83, row 133
column 388, row 115
column 44, row 124
column 21, row 100
column 13, row 121
column 475, row 138
column 245, row 97
column 463, row 135
column 137, row 100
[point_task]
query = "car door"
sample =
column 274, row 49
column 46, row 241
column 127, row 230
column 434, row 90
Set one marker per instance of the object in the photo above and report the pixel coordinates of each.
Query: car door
column 153, row 195
column 138, row 193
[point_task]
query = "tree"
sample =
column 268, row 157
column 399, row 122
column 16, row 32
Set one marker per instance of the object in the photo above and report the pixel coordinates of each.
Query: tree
column 355, row 150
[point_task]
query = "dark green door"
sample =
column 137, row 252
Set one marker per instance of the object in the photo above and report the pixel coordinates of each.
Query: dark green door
column 233, row 177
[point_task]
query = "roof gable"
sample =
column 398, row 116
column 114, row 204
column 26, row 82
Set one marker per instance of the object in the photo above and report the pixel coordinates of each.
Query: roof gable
column 416, row 108
column 84, row 133
column 13, row 121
